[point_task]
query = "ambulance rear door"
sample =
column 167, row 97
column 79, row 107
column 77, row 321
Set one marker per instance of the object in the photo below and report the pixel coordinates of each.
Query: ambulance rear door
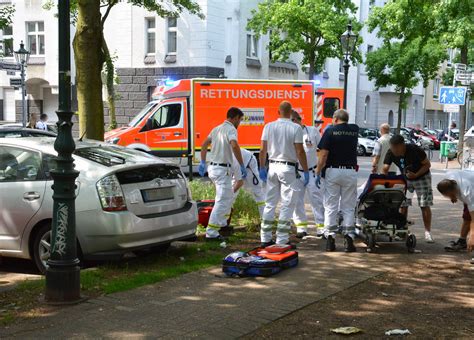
column 166, row 130
column 327, row 101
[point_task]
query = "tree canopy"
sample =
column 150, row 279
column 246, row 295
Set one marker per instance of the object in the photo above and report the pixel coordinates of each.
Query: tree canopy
column 6, row 16
column 312, row 27
column 92, row 54
column 411, row 52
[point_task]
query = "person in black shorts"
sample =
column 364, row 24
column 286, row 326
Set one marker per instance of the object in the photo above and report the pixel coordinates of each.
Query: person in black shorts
column 415, row 166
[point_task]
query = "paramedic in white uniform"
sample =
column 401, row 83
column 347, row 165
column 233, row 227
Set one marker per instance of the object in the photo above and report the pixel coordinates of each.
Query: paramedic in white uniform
column 251, row 183
column 459, row 186
column 338, row 166
column 223, row 140
column 282, row 141
column 311, row 138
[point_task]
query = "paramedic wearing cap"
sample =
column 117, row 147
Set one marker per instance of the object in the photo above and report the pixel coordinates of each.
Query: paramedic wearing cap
column 338, row 165
column 282, row 140
column 459, row 185
column 311, row 138
column 223, row 140
column 252, row 183
column 415, row 166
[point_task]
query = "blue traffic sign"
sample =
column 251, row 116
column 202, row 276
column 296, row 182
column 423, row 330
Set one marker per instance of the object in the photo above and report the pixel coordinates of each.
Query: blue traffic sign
column 452, row 95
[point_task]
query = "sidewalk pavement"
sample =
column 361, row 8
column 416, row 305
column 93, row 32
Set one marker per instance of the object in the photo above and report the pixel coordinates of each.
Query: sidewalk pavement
column 208, row 305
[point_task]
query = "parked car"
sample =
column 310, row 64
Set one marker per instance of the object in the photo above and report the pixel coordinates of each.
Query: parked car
column 425, row 141
column 365, row 146
column 126, row 200
column 435, row 142
column 51, row 126
column 19, row 132
column 369, row 133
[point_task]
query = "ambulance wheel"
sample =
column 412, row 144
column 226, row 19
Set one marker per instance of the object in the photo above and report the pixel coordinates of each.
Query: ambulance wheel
column 370, row 241
column 411, row 243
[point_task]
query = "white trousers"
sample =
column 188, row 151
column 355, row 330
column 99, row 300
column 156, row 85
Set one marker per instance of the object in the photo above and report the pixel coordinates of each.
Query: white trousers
column 340, row 193
column 282, row 186
column 221, row 177
column 315, row 197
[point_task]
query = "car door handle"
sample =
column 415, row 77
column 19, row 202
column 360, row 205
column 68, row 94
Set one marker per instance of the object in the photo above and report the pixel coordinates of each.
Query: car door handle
column 177, row 134
column 31, row 196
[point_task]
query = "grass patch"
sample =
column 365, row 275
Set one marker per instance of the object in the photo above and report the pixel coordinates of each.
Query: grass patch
column 245, row 208
column 128, row 274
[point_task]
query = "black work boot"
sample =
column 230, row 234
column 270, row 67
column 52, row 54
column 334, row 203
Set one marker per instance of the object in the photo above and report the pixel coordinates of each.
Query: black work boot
column 349, row 244
column 330, row 243
column 301, row 234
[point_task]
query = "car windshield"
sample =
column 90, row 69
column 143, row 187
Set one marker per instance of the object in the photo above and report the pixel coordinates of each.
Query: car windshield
column 138, row 118
column 109, row 155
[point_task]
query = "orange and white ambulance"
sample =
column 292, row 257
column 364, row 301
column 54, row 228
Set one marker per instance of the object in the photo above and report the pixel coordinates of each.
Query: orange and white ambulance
column 182, row 113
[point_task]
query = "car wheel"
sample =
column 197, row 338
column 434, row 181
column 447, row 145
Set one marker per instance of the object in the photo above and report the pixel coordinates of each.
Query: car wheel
column 42, row 247
column 360, row 150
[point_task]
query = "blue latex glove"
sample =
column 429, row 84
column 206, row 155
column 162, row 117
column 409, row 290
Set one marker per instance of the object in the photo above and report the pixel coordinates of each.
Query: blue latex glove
column 306, row 178
column 263, row 174
column 243, row 169
column 202, row 168
column 318, row 181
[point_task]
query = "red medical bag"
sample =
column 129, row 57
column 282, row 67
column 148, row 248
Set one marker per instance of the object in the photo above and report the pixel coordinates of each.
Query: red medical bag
column 204, row 212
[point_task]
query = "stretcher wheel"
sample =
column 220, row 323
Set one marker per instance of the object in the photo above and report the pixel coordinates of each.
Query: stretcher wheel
column 370, row 241
column 411, row 243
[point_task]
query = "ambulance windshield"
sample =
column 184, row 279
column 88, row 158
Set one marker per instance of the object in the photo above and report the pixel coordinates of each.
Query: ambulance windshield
column 139, row 117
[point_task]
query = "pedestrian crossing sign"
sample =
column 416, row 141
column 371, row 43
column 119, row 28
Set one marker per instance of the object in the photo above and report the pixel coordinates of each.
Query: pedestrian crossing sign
column 452, row 95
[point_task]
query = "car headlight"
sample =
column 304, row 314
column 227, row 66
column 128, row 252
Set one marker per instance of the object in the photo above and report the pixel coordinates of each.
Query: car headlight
column 113, row 140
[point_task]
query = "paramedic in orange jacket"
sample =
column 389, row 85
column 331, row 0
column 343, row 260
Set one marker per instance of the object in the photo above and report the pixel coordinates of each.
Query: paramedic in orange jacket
column 224, row 144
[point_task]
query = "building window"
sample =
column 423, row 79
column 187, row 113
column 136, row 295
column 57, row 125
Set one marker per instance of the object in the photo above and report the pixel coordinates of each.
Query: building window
column 371, row 5
column 341, row 66
column 252, row 46
column 370, row 48
column 390, row 118
column 7, row 42
column 172, row 37
column 150, row 35
column 415, row 110
column 366, row 109
column 436, row 84
column 35, row 37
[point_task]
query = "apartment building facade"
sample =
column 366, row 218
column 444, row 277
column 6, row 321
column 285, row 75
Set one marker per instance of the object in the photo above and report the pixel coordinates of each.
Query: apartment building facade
column 148, row 48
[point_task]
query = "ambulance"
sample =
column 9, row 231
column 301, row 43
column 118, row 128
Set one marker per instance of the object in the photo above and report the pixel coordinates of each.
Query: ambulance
column 182, row 113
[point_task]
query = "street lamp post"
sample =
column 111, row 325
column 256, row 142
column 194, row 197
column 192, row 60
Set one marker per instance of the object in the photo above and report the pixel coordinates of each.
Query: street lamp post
column 348, row 43
column 22, row 56
column 63, row 272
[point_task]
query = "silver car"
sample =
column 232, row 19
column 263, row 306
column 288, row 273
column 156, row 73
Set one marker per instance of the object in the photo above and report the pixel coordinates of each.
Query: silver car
column 126, row 200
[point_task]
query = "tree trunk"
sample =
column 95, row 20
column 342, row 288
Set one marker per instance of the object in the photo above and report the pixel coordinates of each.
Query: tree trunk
column 89, row 59
column 401, row 103
column 312, row 62
column 109, row 75
column 462, row 108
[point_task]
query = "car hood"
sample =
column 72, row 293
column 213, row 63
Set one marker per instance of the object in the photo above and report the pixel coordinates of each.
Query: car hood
column 117, row 132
